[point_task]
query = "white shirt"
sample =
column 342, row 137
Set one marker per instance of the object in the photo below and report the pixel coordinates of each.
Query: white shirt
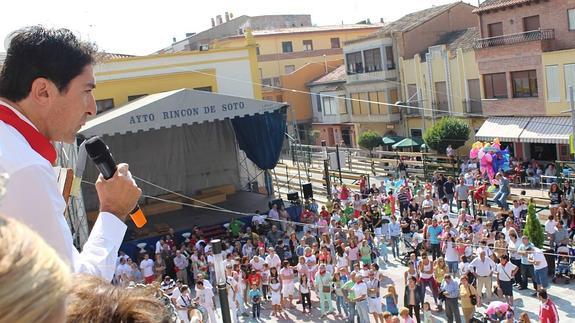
column 483, row 268
column 505, row 272
column 360, row 289
column 32, row 178
column 274, row 261
column 257, row 265
column 540, row 261
column 147, row 267
column 206, row 296
column 550, row 226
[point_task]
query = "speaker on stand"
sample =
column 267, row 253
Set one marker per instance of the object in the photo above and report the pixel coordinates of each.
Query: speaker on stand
column 307, row 191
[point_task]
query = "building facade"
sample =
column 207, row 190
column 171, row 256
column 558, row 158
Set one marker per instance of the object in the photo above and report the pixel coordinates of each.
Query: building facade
column 443, row 81
column 365, row 97
column 523, row 58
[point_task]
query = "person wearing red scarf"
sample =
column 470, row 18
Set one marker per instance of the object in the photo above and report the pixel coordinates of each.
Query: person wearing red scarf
column 46, row 95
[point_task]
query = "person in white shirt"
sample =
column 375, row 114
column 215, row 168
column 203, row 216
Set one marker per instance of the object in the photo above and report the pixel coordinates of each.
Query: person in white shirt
column 361, row 305
column 205, row 297
column 183, row 303
column 257, row 263
column 483, row 267
column 123, row 272
column 51, row 104
column 540, row 266
column 504, row 272
column 147, row 267
column 272, row 259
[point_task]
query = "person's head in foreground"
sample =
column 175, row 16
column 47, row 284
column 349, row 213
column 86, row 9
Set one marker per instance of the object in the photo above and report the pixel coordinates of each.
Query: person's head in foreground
column 95, row 300
column 34, row 281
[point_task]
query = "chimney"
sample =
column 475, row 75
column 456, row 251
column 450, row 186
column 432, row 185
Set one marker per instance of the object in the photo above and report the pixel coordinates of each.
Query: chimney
column 381, row 20
column 227, row 16
column 173, row 39
column 231, row 16
column 219, row 20
column 213, row 23
column 189, row 34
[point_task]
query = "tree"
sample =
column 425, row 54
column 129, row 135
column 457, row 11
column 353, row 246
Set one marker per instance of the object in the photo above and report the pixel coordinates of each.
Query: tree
column 369, row 140
column 533, row 228
column 445, row 132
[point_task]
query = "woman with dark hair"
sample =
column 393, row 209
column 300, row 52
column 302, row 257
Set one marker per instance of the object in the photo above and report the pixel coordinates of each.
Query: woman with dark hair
column 555, row 197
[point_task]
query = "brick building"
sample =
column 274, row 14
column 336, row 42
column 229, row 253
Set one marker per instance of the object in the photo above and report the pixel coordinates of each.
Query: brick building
column 515, row 37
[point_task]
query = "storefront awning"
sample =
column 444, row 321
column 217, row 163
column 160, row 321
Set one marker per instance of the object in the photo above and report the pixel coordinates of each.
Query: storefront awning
column 504, row 128
column 547, row 130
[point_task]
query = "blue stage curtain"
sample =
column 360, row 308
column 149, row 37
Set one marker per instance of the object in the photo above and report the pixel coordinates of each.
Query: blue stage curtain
column 261, row 136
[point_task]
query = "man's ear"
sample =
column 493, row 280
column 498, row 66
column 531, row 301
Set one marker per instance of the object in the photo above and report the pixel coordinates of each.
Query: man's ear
column 42, row 91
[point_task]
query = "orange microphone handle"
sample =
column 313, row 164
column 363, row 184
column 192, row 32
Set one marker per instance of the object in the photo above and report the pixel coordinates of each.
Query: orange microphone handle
column 138, row 217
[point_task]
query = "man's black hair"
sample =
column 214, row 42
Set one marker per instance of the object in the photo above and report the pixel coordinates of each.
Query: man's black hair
column 34, row 52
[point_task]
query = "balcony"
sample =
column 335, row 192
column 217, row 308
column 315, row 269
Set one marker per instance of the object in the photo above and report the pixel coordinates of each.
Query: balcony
column 511, row 39
column 473, row 106
column 372, row 76
column 441, row 109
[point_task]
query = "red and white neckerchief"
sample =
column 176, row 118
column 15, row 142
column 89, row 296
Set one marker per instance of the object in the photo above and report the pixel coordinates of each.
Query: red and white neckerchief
column 35, row 139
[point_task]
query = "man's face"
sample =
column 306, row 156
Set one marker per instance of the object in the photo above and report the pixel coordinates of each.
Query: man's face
column 69, row 109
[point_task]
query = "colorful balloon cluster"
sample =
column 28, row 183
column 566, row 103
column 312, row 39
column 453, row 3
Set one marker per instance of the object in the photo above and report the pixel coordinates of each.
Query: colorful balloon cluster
column 491, row 158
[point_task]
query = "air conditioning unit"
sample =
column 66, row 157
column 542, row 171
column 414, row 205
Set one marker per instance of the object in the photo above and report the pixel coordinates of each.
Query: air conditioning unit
column 204, row 48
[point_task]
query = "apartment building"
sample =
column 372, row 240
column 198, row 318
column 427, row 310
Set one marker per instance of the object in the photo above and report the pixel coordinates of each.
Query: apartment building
column 525, row 58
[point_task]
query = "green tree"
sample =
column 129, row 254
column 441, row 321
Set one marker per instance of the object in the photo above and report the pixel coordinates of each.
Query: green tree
column 369, row 140
column 445, row 132
column 533, row 228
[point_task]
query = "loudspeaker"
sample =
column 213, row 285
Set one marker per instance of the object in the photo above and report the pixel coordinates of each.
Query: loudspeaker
column 278, row 202
column 293, row 196
column 307, row 191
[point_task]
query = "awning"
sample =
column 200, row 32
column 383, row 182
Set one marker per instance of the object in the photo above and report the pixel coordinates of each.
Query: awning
column 390, row 140
column 408, row 143
column 547, row 130
column 173, row 109
column 504, row 128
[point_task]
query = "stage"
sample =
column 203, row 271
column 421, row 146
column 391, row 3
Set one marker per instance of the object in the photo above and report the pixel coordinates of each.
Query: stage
column 190, row 216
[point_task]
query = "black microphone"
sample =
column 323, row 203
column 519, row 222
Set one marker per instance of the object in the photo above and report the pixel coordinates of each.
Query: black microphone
column 100, row 154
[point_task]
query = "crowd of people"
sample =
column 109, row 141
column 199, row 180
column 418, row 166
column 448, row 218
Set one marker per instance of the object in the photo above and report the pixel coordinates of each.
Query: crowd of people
column 456, row 261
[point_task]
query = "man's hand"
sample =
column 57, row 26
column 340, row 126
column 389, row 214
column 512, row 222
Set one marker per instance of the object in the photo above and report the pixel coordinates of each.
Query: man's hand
column 119, row 194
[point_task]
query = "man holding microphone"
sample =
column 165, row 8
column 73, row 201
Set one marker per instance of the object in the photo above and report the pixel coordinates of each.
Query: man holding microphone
column 46, row 88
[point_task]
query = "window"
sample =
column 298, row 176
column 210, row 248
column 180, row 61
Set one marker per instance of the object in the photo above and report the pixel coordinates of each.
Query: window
column 374, row 108
column 372, row 59
column 355, row 108
column 571, row 18
column 104, row 105
column 279, row 98
column 267, row 82
column 441, row 96
column 134, row 97
column 204, row 88
column 318, row 101
column 389, row 60
column 553, row 87
column 393, row 97
column 569, row 78
column 474, row 95
column 342, row 104
column 495, row 29
column 495, row 86
column 329, row 106
column 531, row 23
column 276, row 81
column 524, row 84
column 287, row 47
column 258, row 50
column 335, row 43
column 416, row 133
column 364, row 104
column 308, row 45
column 354, row 63
column 288, row 69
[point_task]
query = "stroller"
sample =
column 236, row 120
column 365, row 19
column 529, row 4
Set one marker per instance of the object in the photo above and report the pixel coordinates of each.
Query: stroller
column 563, row 270
column 409, row 249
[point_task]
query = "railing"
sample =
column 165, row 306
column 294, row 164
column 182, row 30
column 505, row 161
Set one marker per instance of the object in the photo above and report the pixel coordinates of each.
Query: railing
column 541, row 34
column 473, row 106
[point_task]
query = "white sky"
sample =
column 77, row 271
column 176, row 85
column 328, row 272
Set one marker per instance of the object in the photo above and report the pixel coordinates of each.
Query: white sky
column 144, row 26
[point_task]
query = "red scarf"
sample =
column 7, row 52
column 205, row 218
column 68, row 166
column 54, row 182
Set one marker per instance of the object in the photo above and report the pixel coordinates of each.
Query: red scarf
column 35, row 139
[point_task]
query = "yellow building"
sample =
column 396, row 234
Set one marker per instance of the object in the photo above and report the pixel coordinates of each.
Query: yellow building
column 231, row 71
column 559, row 75
column 284, row 51
column 444, row 81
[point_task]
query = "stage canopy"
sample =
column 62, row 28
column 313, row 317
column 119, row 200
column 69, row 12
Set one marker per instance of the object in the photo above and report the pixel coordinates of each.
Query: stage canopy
column 188, row 140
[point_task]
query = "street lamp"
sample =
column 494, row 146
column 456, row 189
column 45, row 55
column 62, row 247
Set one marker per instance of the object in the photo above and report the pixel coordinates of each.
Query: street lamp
column 221, row 279
column 326, row 169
